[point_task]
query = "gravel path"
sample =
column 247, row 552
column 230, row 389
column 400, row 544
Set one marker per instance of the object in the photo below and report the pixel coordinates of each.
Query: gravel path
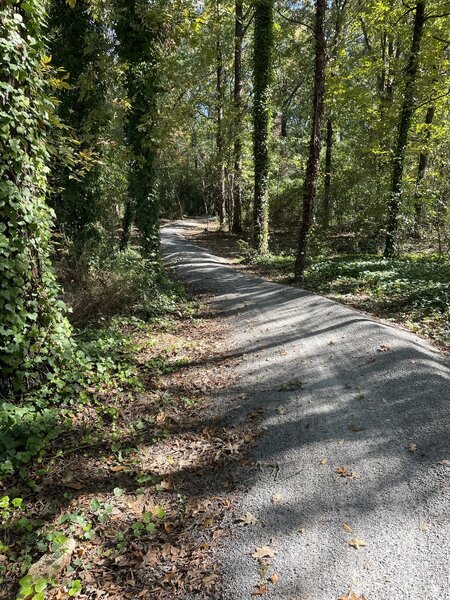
column 336, row 388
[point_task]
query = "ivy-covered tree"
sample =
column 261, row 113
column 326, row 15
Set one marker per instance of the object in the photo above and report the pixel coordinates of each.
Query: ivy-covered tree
column 403, row 129
column 137, row 29
column 34, row 334
column 315, row 143
column 79, row 45
column 262, row 73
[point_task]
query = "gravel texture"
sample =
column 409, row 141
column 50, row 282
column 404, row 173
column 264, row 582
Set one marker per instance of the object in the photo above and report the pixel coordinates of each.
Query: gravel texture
column 336, row 388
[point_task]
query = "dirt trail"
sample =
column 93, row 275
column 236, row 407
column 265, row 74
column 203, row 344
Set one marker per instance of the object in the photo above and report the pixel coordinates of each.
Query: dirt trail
column 337, row 391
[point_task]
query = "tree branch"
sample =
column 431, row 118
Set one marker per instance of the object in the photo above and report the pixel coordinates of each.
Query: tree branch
column 296, row 21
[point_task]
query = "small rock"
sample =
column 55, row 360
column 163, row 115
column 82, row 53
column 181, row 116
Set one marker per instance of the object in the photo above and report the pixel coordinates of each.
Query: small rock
column 50, row 565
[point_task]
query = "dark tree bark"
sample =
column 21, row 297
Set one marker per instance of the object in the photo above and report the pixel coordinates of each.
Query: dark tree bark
column 138, row 39
column 423, row 161
column 403, row 131
column 262, row 71
column 219, row 128
column 312, row 168
column 237, row 95
column 339, row 8
column 284, row 123
column 327, row 199
column 127, row 222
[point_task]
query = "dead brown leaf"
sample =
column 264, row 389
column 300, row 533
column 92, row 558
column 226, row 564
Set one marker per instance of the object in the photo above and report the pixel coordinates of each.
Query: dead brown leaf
column 209, row 580
column 345, row 472
column 356, row 543
column 264, row 552
column 274, row 578
column 248, row 519
column 351, row 596
column 260, row 590
column 323, row 461
column 73, row 485
column 383, row 348
column 118, row 468
column 347, row 528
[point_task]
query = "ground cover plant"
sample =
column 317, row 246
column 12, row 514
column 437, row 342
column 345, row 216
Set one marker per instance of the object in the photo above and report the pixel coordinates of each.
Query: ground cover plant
column 114, row 479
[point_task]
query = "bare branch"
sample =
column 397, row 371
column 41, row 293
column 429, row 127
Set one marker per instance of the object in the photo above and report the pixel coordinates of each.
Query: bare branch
column 296, row 21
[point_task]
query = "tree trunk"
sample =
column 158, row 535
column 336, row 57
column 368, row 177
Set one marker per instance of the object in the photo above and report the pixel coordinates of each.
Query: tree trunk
column 237, row 175
column 312, row 169
column 262, row 70
column 219, row 128
column 34, row 334
column 403, row 130
column 137, row 48
column 423, row 160
column 127, row 222
column 327, row 199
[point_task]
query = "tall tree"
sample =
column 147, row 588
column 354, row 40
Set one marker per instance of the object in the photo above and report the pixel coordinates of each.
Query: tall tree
column 403, row 131
column 237, row 96
column 339, row 7
column 312, row 168
column 262, row 72
column 34, row 335
column 79, row 45
column 220, row 141
column 421, row 168
column 137, row 30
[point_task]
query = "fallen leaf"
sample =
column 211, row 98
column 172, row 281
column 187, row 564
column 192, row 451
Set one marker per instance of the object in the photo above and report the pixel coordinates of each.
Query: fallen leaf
column 324, row 461
column 264, row 552
column 74, row 485
column 301, row 529
column 446, row 461
column 355, row 543
column 248, row 519
column 412, row 447
column 383, row 348
column 118, row 468
column 273, row 578
column 276, row 498
column 351, row 596
column 209, row 580
column 347, row 528
column 260, row 591
column 345, row 472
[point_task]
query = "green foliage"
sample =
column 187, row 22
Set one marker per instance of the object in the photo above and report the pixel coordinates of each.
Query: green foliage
column 137, row 28
column 25, row 432
column 34, row 336
column 137, row 291
column 122, row 283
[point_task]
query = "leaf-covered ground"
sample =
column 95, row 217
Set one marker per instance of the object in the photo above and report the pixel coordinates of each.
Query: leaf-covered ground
column 141, row 478
column 413, row 290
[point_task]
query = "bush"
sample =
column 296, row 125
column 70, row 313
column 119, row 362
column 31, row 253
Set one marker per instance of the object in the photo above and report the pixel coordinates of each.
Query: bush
column 124, row 283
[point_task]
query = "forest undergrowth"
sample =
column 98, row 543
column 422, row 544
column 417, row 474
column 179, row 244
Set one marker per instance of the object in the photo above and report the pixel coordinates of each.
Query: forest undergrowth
column 119, row 470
